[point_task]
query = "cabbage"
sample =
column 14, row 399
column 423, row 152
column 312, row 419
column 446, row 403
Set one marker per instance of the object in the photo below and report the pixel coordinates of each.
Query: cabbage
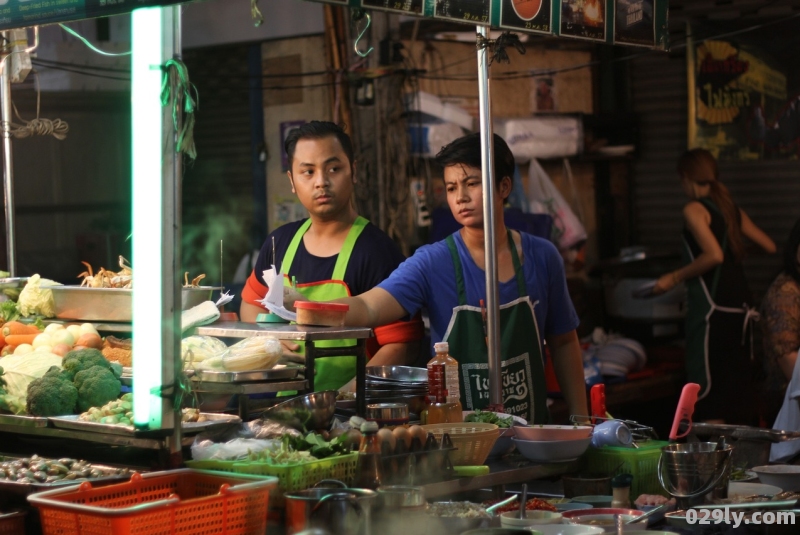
column 196, row 349
column 20, row 370
column 33, row 299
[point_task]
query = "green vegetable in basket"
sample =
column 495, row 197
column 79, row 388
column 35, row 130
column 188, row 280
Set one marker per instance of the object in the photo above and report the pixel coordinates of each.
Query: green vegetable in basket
column 488, row 417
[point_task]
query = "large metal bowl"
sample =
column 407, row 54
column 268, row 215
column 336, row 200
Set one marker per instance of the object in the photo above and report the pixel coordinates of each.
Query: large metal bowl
column 310, row 412
column 111, row 304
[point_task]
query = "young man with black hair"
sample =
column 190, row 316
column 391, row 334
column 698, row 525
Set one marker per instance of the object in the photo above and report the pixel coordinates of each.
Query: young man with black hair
column 447, row 278
column 334, row 253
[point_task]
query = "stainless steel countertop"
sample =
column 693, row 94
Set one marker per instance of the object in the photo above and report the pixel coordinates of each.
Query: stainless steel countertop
column 502, row 472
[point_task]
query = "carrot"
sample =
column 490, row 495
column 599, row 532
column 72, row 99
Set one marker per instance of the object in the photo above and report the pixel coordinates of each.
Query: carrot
column 16, row 327
column 7, row 350
column 17, row 339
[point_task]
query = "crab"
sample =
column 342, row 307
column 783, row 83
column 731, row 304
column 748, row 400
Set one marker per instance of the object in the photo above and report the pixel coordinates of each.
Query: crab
column 195, row 281
column 91, row 279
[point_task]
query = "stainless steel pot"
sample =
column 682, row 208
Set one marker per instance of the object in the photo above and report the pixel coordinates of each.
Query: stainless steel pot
column 342, row 511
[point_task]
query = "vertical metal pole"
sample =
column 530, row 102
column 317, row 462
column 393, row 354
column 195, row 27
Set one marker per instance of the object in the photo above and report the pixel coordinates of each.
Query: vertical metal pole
column 172, row 170
column 490, row 250
column 8, row 162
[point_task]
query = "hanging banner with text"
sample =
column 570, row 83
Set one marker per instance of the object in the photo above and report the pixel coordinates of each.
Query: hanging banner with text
column 624, row 22
column 25, row 13
column 741, row 107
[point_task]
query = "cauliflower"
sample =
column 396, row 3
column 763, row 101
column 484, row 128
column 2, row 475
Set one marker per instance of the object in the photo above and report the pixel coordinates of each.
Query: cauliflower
column 82, row 359
column 52, row 394
column 36, row 298
column 96, row 387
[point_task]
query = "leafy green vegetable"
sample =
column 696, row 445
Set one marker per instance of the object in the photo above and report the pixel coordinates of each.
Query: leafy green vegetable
column 488, row 417
column 8, row 311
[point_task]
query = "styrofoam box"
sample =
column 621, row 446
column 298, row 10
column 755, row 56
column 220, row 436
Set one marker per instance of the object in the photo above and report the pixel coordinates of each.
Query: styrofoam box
column 542, row 136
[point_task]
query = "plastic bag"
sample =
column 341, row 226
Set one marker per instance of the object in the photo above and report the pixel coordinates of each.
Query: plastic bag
column 545, row 198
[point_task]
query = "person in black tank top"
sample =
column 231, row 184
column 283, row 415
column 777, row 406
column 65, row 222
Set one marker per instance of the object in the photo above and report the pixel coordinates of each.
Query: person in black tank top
column 718, row 354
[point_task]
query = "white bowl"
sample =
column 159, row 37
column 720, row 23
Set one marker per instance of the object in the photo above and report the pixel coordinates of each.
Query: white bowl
column 785, row 476
column 553, row 432
column 511, row 519
column 569, row 529
column 546, row 451
column 738, row 489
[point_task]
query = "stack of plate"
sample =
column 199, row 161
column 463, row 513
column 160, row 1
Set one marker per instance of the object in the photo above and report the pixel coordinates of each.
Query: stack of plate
column 391, row 382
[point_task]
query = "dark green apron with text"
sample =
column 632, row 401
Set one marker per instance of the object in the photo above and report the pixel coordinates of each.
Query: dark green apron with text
column 331, row 372
column 524, row 390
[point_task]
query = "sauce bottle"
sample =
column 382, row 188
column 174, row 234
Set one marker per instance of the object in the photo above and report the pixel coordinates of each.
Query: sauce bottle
column 621, row 488
column 444, row 392
column 368, row 466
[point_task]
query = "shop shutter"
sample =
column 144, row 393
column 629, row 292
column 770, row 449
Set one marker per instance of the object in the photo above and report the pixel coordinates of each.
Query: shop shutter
column 768, row 190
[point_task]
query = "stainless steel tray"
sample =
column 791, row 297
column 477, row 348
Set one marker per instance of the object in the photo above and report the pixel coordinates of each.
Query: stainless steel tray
column 247, row 377
column 13, row 282
column 111, row 304
column 404, row 374
column 15, row 487
column 72, row 422
column 23, row 421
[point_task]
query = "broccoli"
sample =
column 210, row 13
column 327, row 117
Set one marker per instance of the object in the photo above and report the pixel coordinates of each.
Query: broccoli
column 53, row 394
column 83, row 359
column 96, row 387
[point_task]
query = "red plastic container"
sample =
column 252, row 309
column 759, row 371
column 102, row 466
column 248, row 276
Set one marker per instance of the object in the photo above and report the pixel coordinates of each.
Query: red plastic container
column 174, row 502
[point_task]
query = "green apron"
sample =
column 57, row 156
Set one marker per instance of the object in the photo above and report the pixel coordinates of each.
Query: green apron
column 331, row 373
column 524, row 390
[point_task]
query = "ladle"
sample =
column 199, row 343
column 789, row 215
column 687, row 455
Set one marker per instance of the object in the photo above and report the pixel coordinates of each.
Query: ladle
column 492, row 508
column 523, row 504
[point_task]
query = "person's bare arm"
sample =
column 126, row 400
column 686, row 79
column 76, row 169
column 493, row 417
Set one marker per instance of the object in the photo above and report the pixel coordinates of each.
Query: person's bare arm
column 248, row 312
column 565, row 351
column 372, row 308
column 756, row 235
column 698, row 220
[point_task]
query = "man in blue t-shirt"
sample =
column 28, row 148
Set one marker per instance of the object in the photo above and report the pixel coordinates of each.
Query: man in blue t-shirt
column 334, row 253
column 447, row 278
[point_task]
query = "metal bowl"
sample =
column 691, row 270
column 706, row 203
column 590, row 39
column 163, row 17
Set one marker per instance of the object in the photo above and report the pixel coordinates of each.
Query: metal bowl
column 405, row 374
column 13, row 282
column 310, row 412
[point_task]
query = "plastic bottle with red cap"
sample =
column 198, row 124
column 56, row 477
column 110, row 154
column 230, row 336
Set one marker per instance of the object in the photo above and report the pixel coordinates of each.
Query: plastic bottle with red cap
column 444, row 391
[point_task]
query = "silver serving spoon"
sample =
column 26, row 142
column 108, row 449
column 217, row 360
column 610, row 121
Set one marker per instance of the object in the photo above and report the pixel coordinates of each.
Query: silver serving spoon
column 648, row 514
column 523, row 503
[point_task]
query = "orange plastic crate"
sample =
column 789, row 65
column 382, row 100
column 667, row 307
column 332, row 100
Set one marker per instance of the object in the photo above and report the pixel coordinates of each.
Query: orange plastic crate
column 175, row 502
column 12, row 523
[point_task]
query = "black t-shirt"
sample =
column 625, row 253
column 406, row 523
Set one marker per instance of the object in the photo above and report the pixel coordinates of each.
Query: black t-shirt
column 373, row 258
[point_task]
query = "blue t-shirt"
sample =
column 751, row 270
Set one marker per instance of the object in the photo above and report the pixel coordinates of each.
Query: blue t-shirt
column 427, row 280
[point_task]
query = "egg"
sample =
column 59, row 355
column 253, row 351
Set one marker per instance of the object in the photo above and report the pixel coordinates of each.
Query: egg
column 385, row 436
column 402, row 436
column 419, row 433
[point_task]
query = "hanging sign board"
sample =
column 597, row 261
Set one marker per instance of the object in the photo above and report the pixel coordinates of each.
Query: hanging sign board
column 532, row 16
column 24, row 13
column 623, row 22
column 467, row 11
column 404, row 7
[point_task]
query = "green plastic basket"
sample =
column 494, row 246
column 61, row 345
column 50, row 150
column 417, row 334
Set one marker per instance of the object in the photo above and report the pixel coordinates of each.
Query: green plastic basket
column 641, row 463
column 291, row 477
